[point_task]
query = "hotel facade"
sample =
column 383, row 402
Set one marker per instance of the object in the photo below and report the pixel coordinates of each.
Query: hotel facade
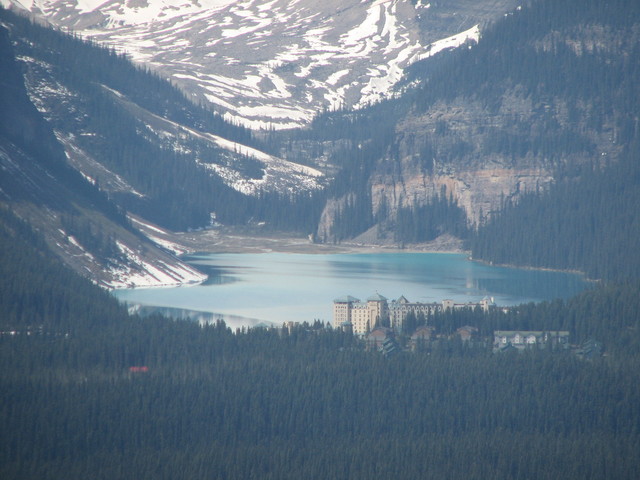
column 349, row 313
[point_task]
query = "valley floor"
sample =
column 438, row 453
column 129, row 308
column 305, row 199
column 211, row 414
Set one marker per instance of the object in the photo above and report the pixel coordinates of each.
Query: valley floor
column 253, row 240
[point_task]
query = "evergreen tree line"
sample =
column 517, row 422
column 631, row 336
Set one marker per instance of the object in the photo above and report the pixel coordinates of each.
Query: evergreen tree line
column 529, row 48
column 306, row 403
column 588, row 221
column 38, row 292
column 90, row 235
column 546, row 53
column 591, row 225
column 352, row 188
column 423, row 223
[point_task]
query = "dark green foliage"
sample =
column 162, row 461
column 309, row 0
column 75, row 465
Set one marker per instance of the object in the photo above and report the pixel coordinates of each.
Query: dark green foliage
column 546, row 54
column 591, row 225
column 353, row 216
column 589, row 220
column 298, row 211
column 309, row 403
column 426, row 222
column 302, row 406
column 90, row 235
column 512, row 52
column 607, row 313
column 352, row 187
column 39, row 293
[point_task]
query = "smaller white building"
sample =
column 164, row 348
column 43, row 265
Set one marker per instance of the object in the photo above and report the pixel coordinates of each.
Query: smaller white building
column 522, row 339
column 485, row 304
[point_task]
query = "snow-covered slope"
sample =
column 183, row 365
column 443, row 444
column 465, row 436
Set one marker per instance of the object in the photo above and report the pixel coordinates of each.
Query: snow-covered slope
column 34, row 192
column 274, row 63
column 75, row 219
column 279, row 175
column 52, row 98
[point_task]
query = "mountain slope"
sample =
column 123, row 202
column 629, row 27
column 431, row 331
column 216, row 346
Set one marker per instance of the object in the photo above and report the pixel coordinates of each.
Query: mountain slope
column 79, row 223
column 591, row 225
column 144, row 144
column 275, row 64
column 551, row 87
column 38, row 293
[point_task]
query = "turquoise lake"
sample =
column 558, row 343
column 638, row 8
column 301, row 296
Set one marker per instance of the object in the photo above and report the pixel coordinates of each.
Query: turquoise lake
column 276, row 287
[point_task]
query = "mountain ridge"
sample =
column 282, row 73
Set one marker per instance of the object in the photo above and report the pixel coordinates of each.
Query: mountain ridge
column 276, row 64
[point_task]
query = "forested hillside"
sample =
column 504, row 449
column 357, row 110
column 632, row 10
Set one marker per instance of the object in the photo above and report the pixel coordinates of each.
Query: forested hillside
column 26, row 138
column 77, row 219
column 549, row 89
column 41, row 295
column 589, row 220
column 204, row 402
column 590, row 225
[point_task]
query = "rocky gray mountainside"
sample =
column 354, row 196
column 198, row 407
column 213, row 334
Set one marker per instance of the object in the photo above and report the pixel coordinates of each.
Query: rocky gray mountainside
column 275, row 63
column 539, row 96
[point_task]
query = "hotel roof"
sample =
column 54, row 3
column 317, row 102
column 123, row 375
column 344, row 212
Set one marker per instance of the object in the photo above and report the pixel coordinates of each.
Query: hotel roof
column 346, row 299
column 376, row 298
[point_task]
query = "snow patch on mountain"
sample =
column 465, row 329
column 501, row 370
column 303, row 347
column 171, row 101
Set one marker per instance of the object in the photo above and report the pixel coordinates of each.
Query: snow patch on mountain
column 279, row 175
column 158, row 236
column 137, row 272
column 454, row 41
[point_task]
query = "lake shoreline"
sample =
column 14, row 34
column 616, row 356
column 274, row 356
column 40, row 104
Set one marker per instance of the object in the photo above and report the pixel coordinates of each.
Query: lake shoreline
column 257, row 239
column 580, row 273
column 251, row 240
column 239, row 240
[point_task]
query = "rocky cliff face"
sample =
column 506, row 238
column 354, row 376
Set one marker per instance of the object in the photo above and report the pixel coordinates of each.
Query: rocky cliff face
column 447, row 147
column 480, row 192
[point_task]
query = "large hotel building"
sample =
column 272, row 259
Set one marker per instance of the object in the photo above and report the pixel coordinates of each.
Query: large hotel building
column 362, row 317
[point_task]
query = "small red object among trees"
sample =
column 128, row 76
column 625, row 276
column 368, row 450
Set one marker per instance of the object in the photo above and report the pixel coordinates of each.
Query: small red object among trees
column 141, row 369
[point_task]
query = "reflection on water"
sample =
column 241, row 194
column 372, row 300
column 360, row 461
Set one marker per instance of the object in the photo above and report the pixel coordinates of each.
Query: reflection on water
column 280, row 287
column 546, row 287
column 216, row 274
column 204, row 318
